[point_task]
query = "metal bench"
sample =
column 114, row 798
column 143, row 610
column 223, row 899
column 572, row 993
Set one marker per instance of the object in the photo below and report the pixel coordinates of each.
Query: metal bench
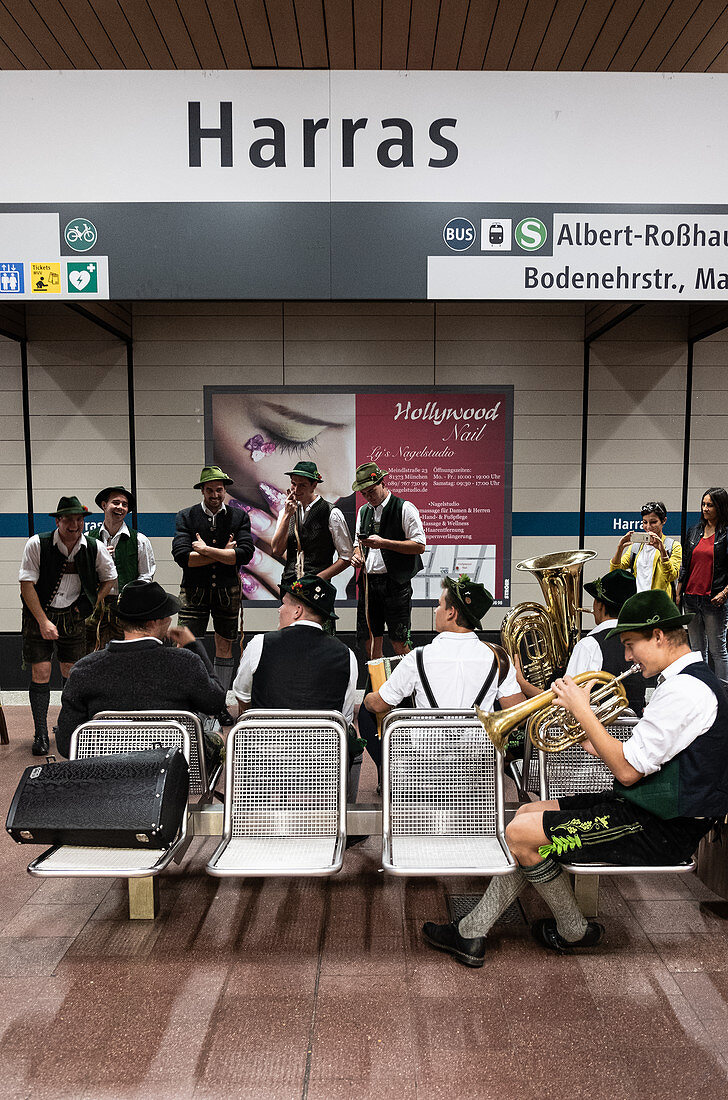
column 285, row 795
column 202, row 785
column 442, row 792
column 140, row 866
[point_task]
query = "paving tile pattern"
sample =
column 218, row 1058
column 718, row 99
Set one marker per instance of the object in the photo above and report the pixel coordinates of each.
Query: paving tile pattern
column 323, row 989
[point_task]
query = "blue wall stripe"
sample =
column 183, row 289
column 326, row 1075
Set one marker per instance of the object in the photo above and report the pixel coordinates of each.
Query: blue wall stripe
column 525, row 524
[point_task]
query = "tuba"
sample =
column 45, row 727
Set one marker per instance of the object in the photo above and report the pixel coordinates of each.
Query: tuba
column 542, row 637
column 550, row 727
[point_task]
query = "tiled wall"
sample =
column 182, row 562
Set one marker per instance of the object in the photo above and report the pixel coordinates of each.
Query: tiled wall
column 79, row 426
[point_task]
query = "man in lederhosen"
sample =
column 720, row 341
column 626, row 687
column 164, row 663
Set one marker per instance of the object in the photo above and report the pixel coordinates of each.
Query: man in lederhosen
column 390, row 539
column 133, row 557
column 211, row 542
column 62, row 577
column 311, row 534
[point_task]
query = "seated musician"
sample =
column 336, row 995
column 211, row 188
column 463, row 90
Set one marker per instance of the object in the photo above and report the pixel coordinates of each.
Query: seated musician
column 140, row 672
column 671, row 783
column 299, row 666
column 454, row 672
column 598, row 650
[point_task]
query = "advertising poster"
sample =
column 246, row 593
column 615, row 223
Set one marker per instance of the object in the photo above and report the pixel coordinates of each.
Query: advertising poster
column 449, row 451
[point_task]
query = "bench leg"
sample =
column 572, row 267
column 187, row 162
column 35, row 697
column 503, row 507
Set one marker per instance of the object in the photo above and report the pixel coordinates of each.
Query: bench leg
column 143, row 898
column 586, row 890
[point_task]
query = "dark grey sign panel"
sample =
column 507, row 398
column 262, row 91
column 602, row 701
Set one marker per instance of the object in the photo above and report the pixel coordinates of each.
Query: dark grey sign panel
column 328, row 251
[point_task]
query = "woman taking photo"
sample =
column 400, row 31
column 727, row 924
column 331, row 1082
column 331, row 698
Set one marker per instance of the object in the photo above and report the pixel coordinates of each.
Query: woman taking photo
column 703, row 581
column 651, row 557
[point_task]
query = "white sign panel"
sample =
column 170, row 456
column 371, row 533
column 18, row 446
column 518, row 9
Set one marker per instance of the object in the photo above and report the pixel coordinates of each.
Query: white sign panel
column 627, row 257
column 414, row 137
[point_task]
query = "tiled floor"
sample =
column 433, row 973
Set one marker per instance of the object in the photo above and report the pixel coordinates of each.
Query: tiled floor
column 323, row 989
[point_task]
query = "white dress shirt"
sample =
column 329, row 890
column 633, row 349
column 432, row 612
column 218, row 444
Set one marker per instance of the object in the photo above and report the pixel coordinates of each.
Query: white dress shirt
column 681, row 708
column 250, row 660
column 70, row 587
column 145, row 554
column 411, row 525
column 586, row 656
column 456, row 666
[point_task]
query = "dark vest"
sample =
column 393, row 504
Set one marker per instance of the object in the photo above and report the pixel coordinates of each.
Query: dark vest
column 695, row 782
column 52, row 562
column 126, row 556
column 400, row 566
column 316, row 542
column 613, row 660
column 302, row 668
column 204, row 575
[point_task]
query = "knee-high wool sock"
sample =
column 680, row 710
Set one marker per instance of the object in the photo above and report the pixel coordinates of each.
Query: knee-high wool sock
column 39, row 696
column 549, row 879
column 502, row 892
column 224, row 671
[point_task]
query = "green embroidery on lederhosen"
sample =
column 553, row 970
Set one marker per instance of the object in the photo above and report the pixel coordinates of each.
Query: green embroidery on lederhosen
column 585, row 833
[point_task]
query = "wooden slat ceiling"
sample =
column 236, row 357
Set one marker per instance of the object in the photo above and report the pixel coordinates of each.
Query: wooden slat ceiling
column 594, row 35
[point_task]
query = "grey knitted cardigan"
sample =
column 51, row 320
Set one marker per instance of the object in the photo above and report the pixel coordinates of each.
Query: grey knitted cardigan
column 140, row 675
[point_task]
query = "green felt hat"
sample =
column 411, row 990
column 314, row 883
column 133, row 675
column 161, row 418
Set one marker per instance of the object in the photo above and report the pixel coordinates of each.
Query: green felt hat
column 212, row 473
column 315, row 592
column 367, row 475
column 69, row 506
column 473, row 599
column 305, row 469
column 649, row 609
column 613, row 588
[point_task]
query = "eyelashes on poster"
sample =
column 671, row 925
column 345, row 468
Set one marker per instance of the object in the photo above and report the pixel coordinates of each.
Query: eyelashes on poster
column 447, row 451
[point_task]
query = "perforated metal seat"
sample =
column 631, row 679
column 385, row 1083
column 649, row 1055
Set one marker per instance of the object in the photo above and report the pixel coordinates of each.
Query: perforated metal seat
column 442, row 790
column 285, row 795
column 202, row 785
column 105, row 738
column 573, row 771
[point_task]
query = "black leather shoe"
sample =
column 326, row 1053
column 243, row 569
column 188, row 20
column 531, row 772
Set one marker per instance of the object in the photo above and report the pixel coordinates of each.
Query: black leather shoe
column 41, row 746
column 445, row 937
column 544, row 932
column 225, row 718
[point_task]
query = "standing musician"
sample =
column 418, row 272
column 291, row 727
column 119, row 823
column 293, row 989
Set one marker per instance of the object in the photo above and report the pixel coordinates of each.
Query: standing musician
column 211, row 542
column 671, row 784
column 600, row 650
column 62, row 577
column 311, row 534
column 390, row 540
column 133, row 557
column 455, row 671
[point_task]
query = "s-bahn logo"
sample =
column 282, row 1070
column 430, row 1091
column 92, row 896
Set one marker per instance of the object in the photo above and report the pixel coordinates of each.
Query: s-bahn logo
column 459, row 234
column 531, row 234
column 80, row 235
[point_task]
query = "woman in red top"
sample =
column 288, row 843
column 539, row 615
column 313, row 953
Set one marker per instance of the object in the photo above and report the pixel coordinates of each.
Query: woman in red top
column 703, row 580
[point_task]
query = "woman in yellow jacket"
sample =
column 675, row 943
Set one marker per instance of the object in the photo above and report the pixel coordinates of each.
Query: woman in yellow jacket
column 656, row 562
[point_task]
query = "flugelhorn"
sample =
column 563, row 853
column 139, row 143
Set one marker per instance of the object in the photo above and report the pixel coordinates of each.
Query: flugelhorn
column 551, row 727
column 543, row 637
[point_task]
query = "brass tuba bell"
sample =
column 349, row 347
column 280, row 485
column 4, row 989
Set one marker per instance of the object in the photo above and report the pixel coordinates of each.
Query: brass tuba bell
column 542, row 637
column 550, row 727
